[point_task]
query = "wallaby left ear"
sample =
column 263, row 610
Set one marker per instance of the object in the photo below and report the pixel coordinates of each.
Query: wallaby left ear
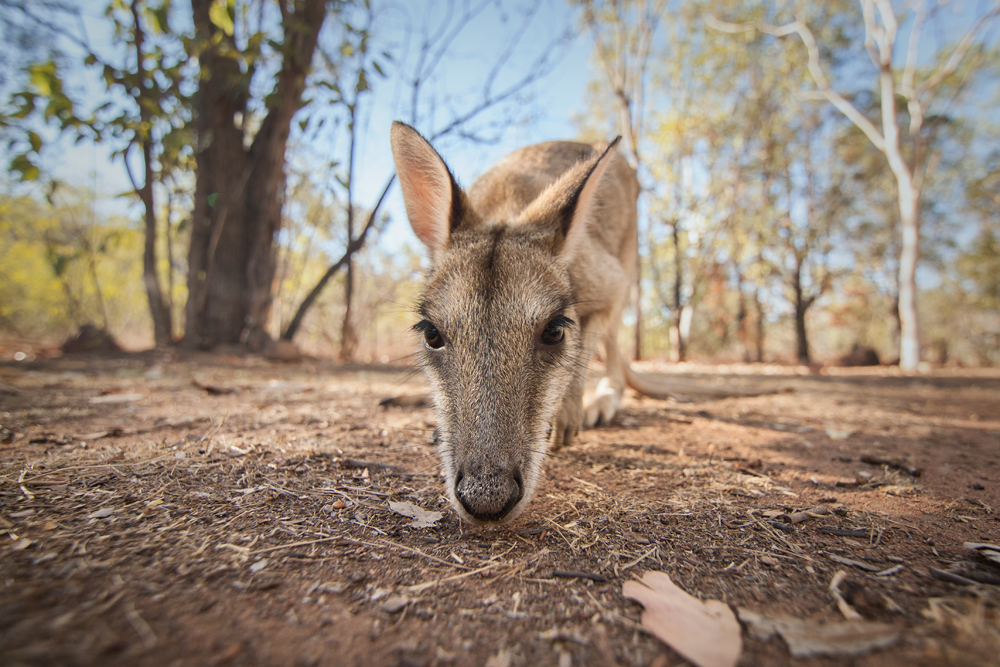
column 434, row 202
column 570, row 202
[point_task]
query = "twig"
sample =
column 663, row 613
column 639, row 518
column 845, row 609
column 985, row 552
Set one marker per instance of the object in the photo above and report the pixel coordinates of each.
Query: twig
column 20, row 482
column 849, row 612
column 638, row 560
column 951, row 577
column 141, row 626
column 417, row 588
column 96, row 465
column 427, row 556
column 569, row 574
column 304, row 543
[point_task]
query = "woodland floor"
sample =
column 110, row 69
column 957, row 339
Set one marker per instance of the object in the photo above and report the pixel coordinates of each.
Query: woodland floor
column 211, row 510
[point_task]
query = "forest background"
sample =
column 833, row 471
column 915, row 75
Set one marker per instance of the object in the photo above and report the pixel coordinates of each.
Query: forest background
column 820, row 180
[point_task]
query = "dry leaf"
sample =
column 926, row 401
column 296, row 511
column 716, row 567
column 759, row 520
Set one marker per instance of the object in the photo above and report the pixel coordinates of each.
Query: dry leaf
column 421, row 518
column 808, row 638
column 706, row 633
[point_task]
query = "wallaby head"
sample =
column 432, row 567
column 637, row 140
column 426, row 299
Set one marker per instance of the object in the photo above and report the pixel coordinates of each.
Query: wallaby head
column 499, row 317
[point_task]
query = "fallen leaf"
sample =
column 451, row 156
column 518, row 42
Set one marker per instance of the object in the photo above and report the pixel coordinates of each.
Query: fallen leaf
column 102, row 513
column 808, row 638
column 705, row 633
column 421, row 518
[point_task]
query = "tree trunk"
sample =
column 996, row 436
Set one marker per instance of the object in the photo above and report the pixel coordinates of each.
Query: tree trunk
column 909, row 331
column 759, row 308
column 348, row 334
column 741, row 320
column 678, row 340
column 159, row 310
column 239, row 192
column 801, row 305
column 637, row 340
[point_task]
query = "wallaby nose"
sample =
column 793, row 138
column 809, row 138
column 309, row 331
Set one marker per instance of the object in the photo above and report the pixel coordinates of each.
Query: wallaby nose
column 489, row 496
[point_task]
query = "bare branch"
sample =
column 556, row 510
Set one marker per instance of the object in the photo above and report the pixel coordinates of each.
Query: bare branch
column 914, row 107
column 352, row 247
column 958, row 55
column 841, row 103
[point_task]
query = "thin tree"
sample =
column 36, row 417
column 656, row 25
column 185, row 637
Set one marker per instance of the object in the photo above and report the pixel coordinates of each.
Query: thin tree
column 624, row 32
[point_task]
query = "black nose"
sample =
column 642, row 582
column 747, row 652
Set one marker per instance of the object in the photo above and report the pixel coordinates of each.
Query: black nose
column 489, row 497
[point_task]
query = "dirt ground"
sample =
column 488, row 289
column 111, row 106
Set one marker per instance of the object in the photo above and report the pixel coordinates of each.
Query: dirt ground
column 211, row 510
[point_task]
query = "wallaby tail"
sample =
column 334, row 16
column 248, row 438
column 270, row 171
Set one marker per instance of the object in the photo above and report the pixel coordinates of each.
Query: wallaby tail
column 679, row 390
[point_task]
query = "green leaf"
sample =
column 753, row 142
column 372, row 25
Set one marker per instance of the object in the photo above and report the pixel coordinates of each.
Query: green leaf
column 212, row 198
column 42, row 76
column 35, row 141
column 161, row 19
column 220, row 15
column 23, row 164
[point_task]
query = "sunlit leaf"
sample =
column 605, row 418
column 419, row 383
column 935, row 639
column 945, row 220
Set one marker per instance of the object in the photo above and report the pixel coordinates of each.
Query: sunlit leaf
column 220, row 14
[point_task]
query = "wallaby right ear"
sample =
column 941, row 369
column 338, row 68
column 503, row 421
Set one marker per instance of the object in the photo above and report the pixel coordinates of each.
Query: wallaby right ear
column 433, row 199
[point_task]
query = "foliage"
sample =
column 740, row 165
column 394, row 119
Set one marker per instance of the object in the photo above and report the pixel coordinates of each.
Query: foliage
column 61, row 266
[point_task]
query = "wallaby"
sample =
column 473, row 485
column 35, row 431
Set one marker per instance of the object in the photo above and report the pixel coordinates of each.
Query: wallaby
column 531, row 268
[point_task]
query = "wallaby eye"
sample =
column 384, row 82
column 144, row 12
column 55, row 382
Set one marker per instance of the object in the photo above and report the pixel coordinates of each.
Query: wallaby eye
column 555, row 331
column 432, row 337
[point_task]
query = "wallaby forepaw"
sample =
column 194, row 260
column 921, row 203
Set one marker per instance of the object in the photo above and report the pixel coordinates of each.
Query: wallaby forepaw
column 567, row 423
column 600, row 411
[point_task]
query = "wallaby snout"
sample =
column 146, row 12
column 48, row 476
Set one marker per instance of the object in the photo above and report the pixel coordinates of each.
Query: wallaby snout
column 489, row 494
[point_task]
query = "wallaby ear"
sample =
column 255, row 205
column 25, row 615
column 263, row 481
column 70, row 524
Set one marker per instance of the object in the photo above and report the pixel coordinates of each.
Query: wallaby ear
column 569, row 203
column 433, row 200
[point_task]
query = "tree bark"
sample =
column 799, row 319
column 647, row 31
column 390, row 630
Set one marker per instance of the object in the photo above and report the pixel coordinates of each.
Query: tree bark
column 239, row 191
column 159, row 310
column 759, row 339
column 348, row 334
column 678, row 341
column 801, row 305
column 909, row 331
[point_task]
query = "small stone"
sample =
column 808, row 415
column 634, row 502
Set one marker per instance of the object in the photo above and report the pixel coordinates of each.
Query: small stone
column 338, row 505
column 978, row 487
column 395, row 603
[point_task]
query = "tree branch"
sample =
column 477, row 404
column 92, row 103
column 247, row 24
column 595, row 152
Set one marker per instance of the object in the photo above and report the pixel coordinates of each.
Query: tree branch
column 352, row 247
column 841, row 103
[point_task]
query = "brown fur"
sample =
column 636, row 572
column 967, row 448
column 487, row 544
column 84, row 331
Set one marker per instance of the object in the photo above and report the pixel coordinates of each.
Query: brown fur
column 542, row 246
